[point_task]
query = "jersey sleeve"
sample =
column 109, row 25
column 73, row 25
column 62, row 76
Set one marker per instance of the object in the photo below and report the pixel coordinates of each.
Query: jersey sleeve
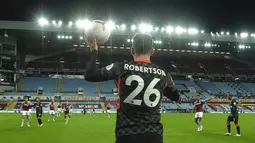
column 94, row 74
column 170, row 91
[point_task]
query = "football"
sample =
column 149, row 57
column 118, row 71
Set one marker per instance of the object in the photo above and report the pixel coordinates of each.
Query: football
column 99, row 31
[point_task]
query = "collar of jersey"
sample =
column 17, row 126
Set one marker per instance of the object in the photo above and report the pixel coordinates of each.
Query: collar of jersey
column 143, row 60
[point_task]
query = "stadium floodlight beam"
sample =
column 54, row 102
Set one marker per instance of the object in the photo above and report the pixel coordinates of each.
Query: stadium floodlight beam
column 60, row 23
column 212, row 34
column 133, row 27
column 145, row 27
column 110, row 25
column 169, row 29
column 222, row 33
column 163, row 29
column 244, row 35
column 70, row 24
column 123, row 27
column 62, row 36
column 84, row 24
column 70, row 37
column 54, row 22
column 59, row 36
column 42, row 21
column 236, row 34
column 160, row 42
column 227, row 33
column 128, row 40
column 81, row 38
column 156, row 29
column 192, row 31
column 180, row 30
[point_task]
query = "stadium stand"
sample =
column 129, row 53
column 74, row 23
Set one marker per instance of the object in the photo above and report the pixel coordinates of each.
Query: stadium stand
column 71, row 86
column 169, row 106
column 208, row 87
column 250, row 86
column 186, row 105
column 225, row 87
column 107, row 86
column 31, row 84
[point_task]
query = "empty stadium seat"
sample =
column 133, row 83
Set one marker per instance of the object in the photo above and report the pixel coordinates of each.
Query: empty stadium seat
column 208, row 87
column 107, row 86
column 71, row 86
column 31, row 84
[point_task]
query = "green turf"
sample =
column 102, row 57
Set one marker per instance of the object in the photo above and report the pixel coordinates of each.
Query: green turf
column 178, row 128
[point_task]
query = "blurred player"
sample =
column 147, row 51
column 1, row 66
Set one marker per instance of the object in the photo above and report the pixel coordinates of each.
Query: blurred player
column 141, row 88
column 233, row 116
column 59, row 109
column 71, row 109
column 66, row 107
column 84, row 111
column 39, row 111
column 200, row 111
column 25, row 111
column 51, row 111
column 108, row 110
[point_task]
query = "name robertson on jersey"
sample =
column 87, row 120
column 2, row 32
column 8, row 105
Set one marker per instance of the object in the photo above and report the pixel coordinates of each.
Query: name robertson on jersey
column 144, row 69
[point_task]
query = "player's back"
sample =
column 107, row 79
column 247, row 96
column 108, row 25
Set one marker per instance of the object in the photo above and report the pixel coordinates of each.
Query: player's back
column 141, row 86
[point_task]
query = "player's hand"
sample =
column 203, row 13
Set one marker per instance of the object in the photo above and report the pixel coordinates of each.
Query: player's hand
column 93, row 44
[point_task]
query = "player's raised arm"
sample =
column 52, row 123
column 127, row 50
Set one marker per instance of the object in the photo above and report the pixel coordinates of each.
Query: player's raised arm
column 94, row 74
column 170, row 91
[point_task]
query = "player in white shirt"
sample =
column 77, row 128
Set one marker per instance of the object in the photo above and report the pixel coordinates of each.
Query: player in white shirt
column 59, row 110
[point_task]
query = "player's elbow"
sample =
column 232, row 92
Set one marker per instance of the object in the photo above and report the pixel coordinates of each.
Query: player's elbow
column 172, row 93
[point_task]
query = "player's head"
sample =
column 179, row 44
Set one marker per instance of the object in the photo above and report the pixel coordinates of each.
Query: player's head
column 26, row 98
column 108, row 103
column 142, row 45
column 198, row 97
column 230, row 96
column 37, row 99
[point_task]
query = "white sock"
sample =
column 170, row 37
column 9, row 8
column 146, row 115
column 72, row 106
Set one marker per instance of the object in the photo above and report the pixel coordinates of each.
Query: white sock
column 22, row 122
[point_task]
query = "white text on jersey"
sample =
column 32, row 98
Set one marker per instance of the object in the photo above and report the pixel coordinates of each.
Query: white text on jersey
column 144, row 69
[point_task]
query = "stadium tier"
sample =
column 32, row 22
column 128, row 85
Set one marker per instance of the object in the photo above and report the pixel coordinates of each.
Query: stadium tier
column 31, row 84
column 208, row 87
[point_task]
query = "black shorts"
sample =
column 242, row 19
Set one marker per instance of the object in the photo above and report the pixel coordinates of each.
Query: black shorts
column 140, row 138
column 233, row 119
column 38, row 115
column 66, row 112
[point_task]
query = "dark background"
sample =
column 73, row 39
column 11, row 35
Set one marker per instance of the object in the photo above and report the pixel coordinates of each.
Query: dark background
column 211, row 15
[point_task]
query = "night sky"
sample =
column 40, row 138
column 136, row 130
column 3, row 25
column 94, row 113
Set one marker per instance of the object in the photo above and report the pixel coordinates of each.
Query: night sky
column 211, row 15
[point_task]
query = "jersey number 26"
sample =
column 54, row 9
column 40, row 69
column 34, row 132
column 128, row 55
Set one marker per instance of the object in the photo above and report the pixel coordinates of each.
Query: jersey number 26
column 150, row 90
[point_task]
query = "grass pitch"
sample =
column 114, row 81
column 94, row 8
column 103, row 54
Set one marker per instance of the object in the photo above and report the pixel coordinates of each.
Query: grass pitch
column 178, row 128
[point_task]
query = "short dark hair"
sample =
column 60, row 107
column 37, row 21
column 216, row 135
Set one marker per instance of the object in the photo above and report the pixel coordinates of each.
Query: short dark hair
column 142, row 43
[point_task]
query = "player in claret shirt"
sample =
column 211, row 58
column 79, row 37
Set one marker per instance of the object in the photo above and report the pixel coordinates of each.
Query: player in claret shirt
column 108, row 110
column 51, row 110
column 25, row 111
column 142, row 85
column 199, row 108
column 233, row 116
column 59, row 109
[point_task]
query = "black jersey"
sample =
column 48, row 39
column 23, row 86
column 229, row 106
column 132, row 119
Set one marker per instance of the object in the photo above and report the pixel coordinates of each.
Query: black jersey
column 141, row 87
column 233, row 107
column 38, row 107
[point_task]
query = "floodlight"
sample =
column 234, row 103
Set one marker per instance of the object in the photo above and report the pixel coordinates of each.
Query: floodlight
column 66, row 37
column 110, row 25
column 179, row 30
column 145, row 28
column 169, row 29
column 70, row 24
column 42, row 21
column 156, row 29
column 192, row 31
column 60, row 23
column 202, row 31
column 160, row 42
column 222, row 33
column 128, row 40
column 227, row 33
column 235, row 34
column 59, row 36
column 62, row 36
column 85, row 24
column 244, row 35
column 70, row 37
column 163, row 29
column 208, row 45
column 54, row 22
column 81, row 37
column 133, row 27
column 123, row 27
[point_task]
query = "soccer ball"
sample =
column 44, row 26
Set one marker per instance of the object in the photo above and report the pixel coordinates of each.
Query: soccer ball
column 98, row 31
